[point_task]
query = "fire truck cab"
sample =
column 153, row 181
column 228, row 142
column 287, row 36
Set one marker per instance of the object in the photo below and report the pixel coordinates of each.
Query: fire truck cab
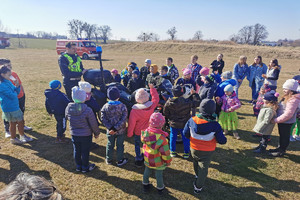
column 85, row 48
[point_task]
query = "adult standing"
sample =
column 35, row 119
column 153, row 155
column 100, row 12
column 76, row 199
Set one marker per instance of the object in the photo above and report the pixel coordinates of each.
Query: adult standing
column 218, row 65
column 272, row 74
column 71, row 68
column 240, row 71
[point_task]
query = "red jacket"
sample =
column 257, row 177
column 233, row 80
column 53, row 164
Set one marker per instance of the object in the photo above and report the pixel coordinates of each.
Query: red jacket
column 140, row 115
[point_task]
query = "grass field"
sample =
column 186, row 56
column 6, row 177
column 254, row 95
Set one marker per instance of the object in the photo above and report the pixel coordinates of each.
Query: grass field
column 235, row 172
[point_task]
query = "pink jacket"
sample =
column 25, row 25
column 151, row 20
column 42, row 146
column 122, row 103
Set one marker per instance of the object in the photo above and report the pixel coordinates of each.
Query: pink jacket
column 140, row 114
column 230, row 102
column 287, row 112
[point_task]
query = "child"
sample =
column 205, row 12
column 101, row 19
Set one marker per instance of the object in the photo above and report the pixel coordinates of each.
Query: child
column 154, row 77
column 187, row 78
column 114, row 118
column 194, row 67
column 172, row 70
column 286, row 115
column 240, row 71
column 178, row 111
column 164, row 73
column 21, row 95
column 263, row 124
column 272, row 74
column 56, row 103
column 296, row 137
column 115, row 74
column 204, row 132
column 156, row 151
column 259, row 103
column 125, row 71
column 208, row 89
column 145, row 70
column 228, row 118
column 199, row 79
column 82, row 126
column 139, row 118
column 218, row 65
column 11, row 111
column 135, row 82
column 128, row 75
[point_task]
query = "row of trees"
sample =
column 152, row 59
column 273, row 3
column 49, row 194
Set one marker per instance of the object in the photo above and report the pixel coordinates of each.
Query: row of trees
column 80, row 29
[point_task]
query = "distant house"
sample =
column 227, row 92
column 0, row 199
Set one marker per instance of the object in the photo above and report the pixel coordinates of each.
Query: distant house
column 267, row 43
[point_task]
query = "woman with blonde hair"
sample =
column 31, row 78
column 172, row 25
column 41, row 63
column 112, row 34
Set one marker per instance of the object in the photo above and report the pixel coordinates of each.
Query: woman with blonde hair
column 240, row 71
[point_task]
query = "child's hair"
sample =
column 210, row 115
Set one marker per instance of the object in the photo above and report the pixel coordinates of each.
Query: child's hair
column 241, row 59
column 260, row 61
column 273, row 104
column 286, row 97
column 3, row 70
column 170, row 59
column 4, row 61
column 164, row 68
column 194, row 57
column 221, row 55
column 275, row 62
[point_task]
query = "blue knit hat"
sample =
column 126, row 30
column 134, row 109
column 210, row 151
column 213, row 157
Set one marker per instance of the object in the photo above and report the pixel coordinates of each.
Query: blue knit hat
column 271, row 96
column 136, row 72
column 113, row 93
column 55, row 85
column 228, row 88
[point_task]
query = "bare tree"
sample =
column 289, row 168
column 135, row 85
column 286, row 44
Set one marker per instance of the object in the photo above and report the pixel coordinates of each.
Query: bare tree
column 172, row 32
column 155, row 37
column 235, row 38
column 89, row 29
column 246, row 34
column 105, row 33
column 75, row 28
column 145, row 36
column 259, row 33
column 198, row 35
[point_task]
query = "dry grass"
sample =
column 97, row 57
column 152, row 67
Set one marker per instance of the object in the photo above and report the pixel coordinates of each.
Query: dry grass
column 235, row 172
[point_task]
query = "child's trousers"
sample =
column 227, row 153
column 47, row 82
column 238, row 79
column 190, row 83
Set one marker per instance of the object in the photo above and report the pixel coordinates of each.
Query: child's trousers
column 201, row 160
column 137, row 147
column 82, row 146
column 173, row 138
column 297, row 128
column 60, row 125
column 111, row 141
column 158, row 176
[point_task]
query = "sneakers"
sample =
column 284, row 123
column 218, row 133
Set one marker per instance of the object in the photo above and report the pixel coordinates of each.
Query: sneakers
column 122, row 162
column 186, row 155
column 78, row 169
column 139, row 163
column 7, row 134
column 90, row 168
column 161, row 191
column 173, row 154
column 292, row 139
column 27, row 128
column 277, row 153
column 146, row 187
column 260, row 149
column 236, row 135
column 16, row 141
column 109, row 162
column 197, row 190
column 24, row 138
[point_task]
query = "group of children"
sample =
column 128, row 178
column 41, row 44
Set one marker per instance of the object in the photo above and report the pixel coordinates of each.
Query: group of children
column 214, row 94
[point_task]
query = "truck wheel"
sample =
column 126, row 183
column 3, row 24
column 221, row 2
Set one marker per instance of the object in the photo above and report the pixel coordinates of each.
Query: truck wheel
column 85, row 57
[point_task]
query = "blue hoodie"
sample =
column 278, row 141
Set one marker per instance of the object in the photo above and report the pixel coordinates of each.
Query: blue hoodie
column 56, row 102
column 9, row 96
column 222, row 85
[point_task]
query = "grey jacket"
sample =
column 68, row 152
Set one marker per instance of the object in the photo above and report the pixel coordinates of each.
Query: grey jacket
column 82, row 120
column 263, row 124
column 272, row 76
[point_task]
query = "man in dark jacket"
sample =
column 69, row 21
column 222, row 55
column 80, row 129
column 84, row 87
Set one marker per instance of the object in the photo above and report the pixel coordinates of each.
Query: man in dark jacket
column 56, row 103
column 71, row 68
column 144, row 71
column 135, row 82
column 178, row 111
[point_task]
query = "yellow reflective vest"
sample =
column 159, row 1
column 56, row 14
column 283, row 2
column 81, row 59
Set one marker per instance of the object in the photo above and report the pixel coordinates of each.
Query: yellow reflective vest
column 73, row 66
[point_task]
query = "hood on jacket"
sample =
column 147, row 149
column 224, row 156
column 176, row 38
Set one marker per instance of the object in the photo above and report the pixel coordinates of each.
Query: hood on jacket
column 153, row 140
column 50, row 93
column 231, row 82
column 76, row 108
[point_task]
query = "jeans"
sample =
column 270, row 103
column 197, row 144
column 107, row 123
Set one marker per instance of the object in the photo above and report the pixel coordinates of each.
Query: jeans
column 60, row 125
column 201, row 161
column 284, row 136
column 137, row 147
column 111, row 140
column 255, row 89
column 173, row 138
column 82, row 145
column 236, row 87
column 158, row 176
column 68, row 85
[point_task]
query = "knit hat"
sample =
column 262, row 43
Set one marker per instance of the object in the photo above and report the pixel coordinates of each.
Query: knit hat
column 78, row 95
column 115, row 71
column 113, row 93
column 210, row 78
column 297, row 78
column 136, row 72
column 207, row 107
column 148, row 61
column 142, row 96
column 271, row 96
column 177, row 91
column 204, row 71
column 85, row 86
column 157, row 120
column 186, row 71
column 228, row 88
column 291, row 84
column 55, row 85
column 227, row 75
column 155, row 68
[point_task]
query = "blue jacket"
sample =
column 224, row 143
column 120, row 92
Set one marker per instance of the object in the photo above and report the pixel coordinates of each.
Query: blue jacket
column 222, row 85
column 56, row 102
column 9, row 96
column 255, row 73
column 240, row 72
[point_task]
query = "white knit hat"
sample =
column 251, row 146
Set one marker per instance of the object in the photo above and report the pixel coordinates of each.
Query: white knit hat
column 85, row 86
column 78, row 95
column 290, row 84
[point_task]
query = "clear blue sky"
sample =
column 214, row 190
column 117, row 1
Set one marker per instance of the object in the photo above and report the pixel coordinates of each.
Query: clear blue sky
column 217, row 19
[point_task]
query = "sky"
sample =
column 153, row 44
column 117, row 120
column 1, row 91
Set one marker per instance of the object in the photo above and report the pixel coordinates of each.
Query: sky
column 217, row 19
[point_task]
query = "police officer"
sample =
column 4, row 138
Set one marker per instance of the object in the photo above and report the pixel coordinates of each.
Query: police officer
column 71, row 68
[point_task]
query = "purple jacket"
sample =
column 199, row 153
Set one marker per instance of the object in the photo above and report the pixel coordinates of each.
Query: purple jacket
column 82, row 120
column 230, row 102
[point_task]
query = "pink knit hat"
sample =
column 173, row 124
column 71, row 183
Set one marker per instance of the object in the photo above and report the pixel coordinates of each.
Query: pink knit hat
column 204, row 71
column 186, row 71
column 115, row 71
column 157, row 120
column 141, row 96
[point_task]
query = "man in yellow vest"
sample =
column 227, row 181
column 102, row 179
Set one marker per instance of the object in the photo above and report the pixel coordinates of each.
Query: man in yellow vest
column 71, row 68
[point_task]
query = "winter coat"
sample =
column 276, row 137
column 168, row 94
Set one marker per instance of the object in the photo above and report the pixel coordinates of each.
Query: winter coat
column 259, row 103
column 140, row 114
column 56, row 102
column 263, row 124
column 126, row 78
column 178, row 110
column 255, row 74
column 272, row 76
column 173, row 73
column 114, row 117
column 117, row 78
column 287, row 112
column 218, row 66
column 195, row 68
column 183, row 81
column 134, row 84
column 155, row 148
column 154, row 79
column 230, row 102
column 222, row 85
column 63, row 63
column 207, row 91
column 9, row 96
column 82, row 120
column 240, row 72
column 144, row 73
